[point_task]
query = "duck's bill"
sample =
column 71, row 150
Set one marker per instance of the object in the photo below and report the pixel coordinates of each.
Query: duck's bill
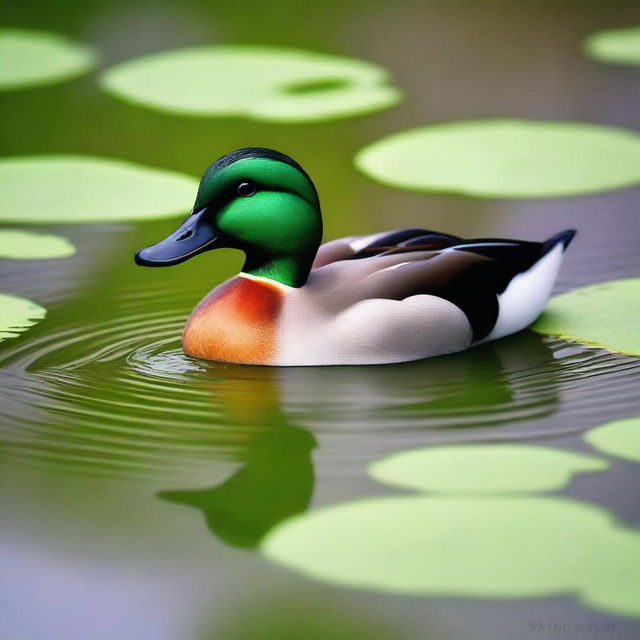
column 192, row 237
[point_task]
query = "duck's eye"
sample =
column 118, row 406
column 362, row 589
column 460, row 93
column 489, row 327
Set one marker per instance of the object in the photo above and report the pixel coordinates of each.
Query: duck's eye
column 246, row 189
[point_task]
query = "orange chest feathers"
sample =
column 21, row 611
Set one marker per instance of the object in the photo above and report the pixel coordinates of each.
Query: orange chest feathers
column 236, row 322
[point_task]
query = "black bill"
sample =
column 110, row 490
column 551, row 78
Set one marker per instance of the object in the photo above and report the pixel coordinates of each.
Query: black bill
column 192, row 237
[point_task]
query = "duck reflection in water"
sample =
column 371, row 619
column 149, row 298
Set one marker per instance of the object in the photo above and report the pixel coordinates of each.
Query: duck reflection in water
column 509, row 380
column 277, row 479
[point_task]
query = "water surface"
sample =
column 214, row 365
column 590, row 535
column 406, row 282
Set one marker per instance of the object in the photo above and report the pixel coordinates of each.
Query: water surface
column 136, row 483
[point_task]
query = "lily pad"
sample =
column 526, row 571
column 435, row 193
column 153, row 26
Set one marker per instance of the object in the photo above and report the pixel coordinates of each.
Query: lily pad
column 503, row 468
column 618, row 46
column 477, row 547
column 24, row 245
column 79, row 189
column 620, row 438
column 604, row 315
column 263, row 83
column 30, row 58
column 506, row 158
column 17, row 315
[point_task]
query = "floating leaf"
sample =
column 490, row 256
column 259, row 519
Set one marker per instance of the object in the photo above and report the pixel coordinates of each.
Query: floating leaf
column 263, row 83
column 28, row 246
column 475, row 547
column 29, row 58
column 604, row 315
column 620, row 438
column 76, row 189
column 506, row 158
column 17, row 315
column 621, row 46
column 504, row 468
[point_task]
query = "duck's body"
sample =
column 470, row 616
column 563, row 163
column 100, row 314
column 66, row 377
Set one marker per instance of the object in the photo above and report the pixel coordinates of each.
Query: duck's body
column 396, row 305
column 388, row 297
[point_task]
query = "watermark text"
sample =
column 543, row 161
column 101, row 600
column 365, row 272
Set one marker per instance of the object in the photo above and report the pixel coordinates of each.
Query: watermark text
column 566, row 627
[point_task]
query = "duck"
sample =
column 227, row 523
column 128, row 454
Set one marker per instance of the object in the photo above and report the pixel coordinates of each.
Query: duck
column 379, row 298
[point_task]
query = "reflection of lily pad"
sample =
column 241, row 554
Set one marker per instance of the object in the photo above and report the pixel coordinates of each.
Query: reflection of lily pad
column 264, row 83
column 506, row 158
column 618, row 46
column 604, row 315
column 476, row 547
column 68, row 189
column 505, row 468
column 28, row 246
column 17, row 315
column 30, row 58
column 620, row 438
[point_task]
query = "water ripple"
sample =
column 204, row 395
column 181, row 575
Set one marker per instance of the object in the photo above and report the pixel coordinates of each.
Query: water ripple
column 120, row 397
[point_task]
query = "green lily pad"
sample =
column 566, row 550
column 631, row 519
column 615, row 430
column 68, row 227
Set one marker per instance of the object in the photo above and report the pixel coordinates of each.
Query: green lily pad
column 17, row 315
column 263, row 83
column 503, row 468
column 24, row 245
column 506, row 158
column 618, row 46
column 604, row 315
column 477, row 547
column 620, row 438
column 79, row 189
column 30, row 58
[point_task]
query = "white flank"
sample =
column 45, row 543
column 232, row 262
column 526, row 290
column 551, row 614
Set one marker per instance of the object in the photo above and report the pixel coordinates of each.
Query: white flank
column 525, row 297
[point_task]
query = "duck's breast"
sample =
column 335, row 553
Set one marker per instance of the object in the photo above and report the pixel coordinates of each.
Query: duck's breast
column 236, row 322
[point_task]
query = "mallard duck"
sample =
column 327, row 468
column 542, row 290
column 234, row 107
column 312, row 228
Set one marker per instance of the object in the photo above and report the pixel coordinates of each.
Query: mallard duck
column 372, row 299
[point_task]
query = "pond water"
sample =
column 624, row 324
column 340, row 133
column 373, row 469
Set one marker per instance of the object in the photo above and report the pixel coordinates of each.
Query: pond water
column 138, row 486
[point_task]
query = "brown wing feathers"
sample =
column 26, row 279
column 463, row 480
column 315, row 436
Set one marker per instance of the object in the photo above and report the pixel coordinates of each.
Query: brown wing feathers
column 471, row 274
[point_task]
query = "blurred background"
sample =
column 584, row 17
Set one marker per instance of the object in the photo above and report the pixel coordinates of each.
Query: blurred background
column 136, row 484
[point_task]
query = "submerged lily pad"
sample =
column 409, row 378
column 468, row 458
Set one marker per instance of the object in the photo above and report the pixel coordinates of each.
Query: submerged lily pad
column 620, row 438
column 77, row 189
column 24, row 245
column 475, row 547
column 504, row 468
column 506, row 158
column 264, row 83
column 604, row 315
column 29, row 58
column 619, row 46
column 17, row 315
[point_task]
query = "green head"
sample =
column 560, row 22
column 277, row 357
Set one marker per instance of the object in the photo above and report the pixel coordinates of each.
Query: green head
column 256, row 200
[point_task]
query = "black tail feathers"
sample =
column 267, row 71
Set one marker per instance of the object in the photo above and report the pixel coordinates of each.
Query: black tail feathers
column 564, row 237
